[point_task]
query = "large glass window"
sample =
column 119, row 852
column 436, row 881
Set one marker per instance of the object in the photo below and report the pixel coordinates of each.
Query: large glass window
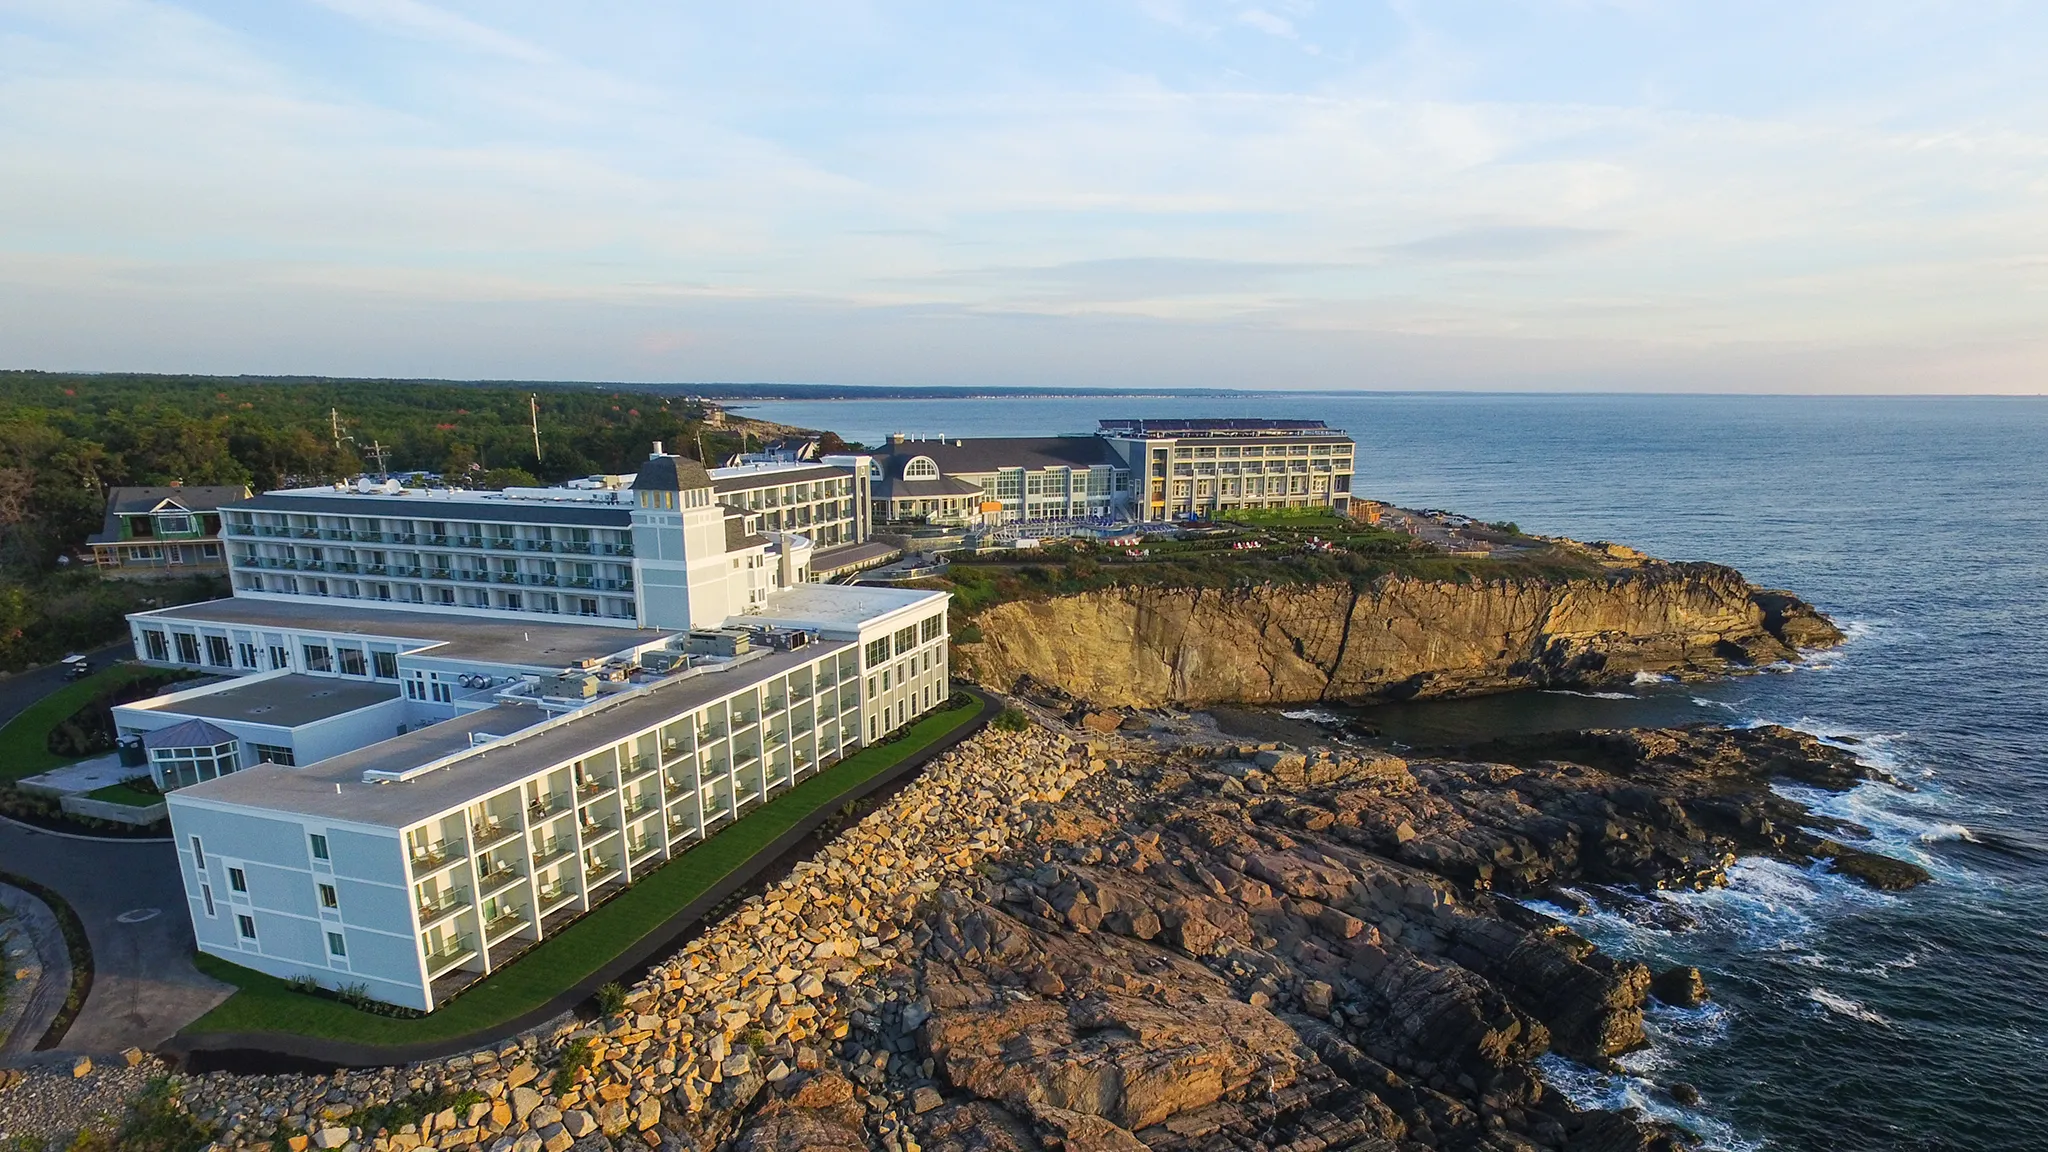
column 188, row 647
column 154, row 646
column 351, row 661
column 183, row 767
column 318, row 658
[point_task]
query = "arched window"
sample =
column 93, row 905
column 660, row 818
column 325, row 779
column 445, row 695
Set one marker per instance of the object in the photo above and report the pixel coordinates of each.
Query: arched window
column 921, row 468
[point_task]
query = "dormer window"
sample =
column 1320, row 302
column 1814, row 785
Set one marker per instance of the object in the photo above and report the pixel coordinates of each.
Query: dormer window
column 921, row 468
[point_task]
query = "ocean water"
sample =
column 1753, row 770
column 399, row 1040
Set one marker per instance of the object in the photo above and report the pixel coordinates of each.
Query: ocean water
column 1843, row 1018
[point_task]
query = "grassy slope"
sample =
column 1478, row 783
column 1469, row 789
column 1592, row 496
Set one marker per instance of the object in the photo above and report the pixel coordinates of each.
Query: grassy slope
column 1290, row 555
column 23, row 751
column 267, row 1004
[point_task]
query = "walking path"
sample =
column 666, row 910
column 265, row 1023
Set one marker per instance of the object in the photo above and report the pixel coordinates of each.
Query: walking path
column 40, row 971
column 130, row 898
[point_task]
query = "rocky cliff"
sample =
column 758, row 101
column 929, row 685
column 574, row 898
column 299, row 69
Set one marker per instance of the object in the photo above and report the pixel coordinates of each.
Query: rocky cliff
column 1395, row 638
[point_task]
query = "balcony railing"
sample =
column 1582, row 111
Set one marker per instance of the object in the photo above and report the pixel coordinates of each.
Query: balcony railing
column 548, row 853
column 485, row 835
column 645, row 802
column 498, row 877
column 451, row 955
column 598, row 871
column 502, row 923
column 591, row 789
column 553, row 897
column 428, row 859
column 446, row 903
column 546, row 806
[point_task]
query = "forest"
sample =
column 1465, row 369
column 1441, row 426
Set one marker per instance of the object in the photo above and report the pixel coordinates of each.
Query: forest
column 65, row 438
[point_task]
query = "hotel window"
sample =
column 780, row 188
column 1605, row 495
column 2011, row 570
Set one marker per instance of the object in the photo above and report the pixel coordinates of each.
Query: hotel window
column 335, row 945
column 386, row 664
column 238, row 881
column 154, row 646
column 275, row 754
column 246, row 925
column 329, row 898
column 198, row 855
column 246, row 652
column 319, row 846
column 206, row 894
column 878, row 651
column 280, row 657
column 929, row 630
column 906, row 639
column 188, row 647
column 318, row 658
column 351, row 661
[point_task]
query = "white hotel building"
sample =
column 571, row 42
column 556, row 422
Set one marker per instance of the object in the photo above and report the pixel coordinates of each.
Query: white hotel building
column 402, row 791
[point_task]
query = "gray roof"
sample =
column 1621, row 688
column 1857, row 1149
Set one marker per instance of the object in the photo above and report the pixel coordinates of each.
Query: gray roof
column 190, row 734
column 576, row 514
column 990, row 453
column 138, row 501
column 898, row 489
column 670, row 474
column 534, row 645
column 826, row 561
column 767, row 478
column 286, row 701
column 736, row 534
column 311, row 790
column 199, row 498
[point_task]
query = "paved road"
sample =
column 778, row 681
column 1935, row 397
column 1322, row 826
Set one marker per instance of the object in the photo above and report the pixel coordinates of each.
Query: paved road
column 144, row 985
column 25, row 688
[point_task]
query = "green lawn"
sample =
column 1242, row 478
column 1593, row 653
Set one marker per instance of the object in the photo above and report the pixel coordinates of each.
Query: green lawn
column 267, row 1004
column 23, row 751
column 123, row 794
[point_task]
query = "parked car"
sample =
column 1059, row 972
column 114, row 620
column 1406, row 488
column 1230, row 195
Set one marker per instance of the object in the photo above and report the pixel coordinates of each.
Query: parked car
column 77, row 667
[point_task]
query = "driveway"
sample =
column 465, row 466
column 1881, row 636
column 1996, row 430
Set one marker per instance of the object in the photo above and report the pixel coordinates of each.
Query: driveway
column 128, row 894
column 25, row 688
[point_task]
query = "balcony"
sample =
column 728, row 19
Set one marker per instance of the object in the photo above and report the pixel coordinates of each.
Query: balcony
column 445, row 905
column 485, row 835
column 640, row 766
column 670, row 753
column 552, row 898
column 546, row 806
column 554, row 849
column 425, row 860
column 501, row 876
column 592, row 789
column 639, row 852
column 502, row 925
column 595, row 830
column 598, row 872
column 461, row 951
column 640, row 805
column 777, row 703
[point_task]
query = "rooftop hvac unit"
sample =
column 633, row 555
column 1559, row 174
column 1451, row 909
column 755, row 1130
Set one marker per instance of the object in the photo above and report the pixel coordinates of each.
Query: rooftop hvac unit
column 718, row 642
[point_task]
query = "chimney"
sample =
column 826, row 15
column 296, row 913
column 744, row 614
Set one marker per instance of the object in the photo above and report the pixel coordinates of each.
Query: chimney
column 657, row 450
column 896, row 437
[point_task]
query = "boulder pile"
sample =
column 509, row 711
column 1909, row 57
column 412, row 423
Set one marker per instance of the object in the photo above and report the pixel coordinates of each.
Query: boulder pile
column 1132, row 942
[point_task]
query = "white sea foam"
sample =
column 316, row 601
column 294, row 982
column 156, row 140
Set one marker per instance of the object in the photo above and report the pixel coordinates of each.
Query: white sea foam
column 1592, row 695
column 1314, row 716
column 1652, row 678
column 1845, row 1007
column 1703, row 702
column 1588, row 1088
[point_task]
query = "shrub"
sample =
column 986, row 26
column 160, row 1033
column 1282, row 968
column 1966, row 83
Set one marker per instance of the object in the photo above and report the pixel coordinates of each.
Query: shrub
column 1011, row 719
column 967, row 634
column 611, row 998
column 575, row 1058
column 158, row 1122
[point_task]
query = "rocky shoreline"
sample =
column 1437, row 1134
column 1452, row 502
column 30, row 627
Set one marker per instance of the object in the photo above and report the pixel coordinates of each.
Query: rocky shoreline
column 1146, row 940
column 1392, row 638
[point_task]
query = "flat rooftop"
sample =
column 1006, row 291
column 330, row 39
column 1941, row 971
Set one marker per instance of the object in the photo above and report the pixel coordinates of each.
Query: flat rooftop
column 537, row 645
column 834, row 605
column 287, row 701
column 334, row 788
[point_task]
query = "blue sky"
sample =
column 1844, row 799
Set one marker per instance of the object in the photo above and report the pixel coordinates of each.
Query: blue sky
column 1577, row 194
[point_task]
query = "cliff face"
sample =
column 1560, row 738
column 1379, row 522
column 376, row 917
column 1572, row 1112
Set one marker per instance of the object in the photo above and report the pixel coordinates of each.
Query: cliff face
column 1397, row 638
